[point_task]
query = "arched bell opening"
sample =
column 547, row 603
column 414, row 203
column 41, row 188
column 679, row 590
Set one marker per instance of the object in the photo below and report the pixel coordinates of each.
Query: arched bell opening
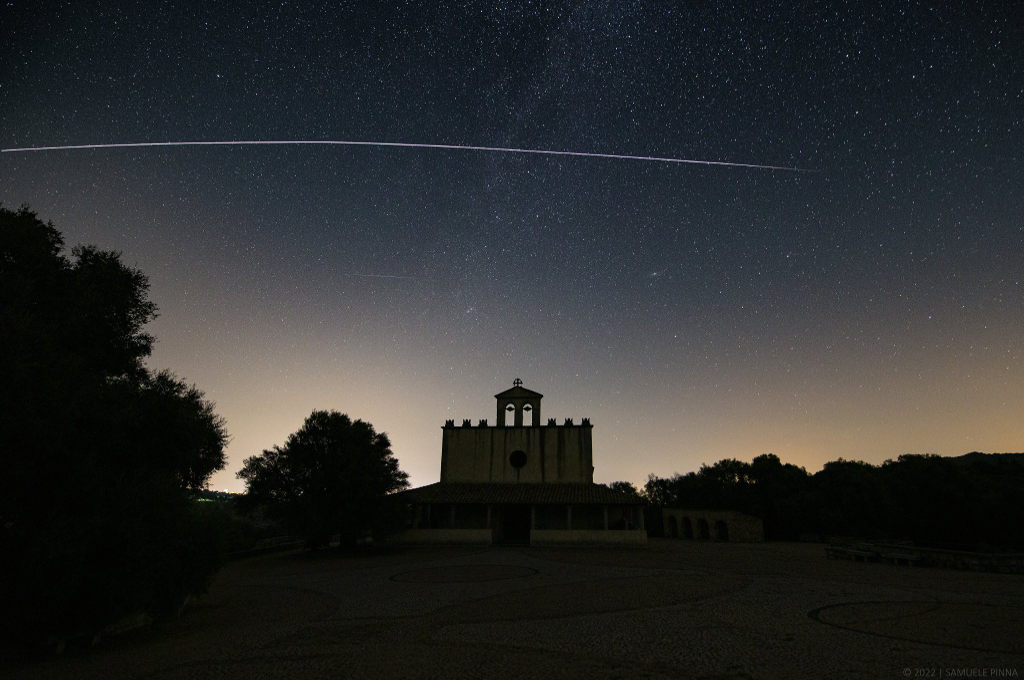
column 528, row 416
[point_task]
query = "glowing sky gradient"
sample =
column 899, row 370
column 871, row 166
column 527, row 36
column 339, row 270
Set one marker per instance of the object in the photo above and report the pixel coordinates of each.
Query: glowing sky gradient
column 693, row 310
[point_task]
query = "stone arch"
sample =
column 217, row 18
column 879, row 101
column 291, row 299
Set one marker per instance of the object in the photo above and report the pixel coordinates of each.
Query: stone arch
column 703, row 531
column 687, row 528
column 528, row 412
column 672, row 530
column 721, row 530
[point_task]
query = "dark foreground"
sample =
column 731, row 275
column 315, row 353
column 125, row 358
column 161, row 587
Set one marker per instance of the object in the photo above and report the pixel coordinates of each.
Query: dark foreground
column 671, row 610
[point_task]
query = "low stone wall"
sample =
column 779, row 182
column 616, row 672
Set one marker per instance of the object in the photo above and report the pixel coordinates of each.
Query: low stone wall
column 1007, row 563
column 712, row 525
column 588, row 537
column 911, row 555
column 442, row 536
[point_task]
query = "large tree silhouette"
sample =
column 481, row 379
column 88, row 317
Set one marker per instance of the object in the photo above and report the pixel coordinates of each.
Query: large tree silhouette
column 98, row 455
column 331, row 476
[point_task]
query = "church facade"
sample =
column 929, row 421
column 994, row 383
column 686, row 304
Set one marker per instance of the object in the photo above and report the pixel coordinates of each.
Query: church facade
column 520, row 481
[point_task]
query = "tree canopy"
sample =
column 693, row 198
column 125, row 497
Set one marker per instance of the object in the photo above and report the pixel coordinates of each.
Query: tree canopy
column 99, row 454
column 971, row 501
column 625, row 488
column 331, row 476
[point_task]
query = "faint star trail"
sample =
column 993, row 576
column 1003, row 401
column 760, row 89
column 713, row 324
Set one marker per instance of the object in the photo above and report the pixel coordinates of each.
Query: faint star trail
column 408, row 145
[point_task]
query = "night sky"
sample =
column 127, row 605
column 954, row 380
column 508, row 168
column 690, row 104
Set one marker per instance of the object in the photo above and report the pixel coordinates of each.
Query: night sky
column 869, row 308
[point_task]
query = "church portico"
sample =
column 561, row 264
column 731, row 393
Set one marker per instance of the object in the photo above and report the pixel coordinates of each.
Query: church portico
column 524, row 514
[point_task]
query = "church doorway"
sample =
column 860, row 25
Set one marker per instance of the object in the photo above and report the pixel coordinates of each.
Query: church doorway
column 514, row 525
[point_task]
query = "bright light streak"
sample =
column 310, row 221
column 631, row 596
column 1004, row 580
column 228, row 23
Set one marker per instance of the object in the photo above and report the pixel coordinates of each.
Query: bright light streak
column 406, row 145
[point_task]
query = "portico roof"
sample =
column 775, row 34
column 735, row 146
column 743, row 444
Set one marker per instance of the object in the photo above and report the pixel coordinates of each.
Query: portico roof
column 516, row 494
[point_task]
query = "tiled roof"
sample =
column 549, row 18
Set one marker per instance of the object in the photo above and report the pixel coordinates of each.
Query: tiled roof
column 517, row 392
column 537, row 494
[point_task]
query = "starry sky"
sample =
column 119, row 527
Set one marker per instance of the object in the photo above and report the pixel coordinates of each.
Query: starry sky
column 871, row 307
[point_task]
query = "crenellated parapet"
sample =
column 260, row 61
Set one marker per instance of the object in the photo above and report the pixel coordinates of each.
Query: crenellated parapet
column 552, row 422
column 518, row 448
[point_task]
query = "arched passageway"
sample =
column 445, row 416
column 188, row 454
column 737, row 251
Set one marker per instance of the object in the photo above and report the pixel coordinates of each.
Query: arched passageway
column 703, row 532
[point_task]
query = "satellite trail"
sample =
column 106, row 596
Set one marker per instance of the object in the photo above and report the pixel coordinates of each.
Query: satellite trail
column 406, row 145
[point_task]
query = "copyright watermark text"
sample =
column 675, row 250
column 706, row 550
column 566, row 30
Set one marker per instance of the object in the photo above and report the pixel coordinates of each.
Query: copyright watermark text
column 961, row 672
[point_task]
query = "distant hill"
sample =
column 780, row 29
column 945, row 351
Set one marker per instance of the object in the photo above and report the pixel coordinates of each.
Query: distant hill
column 975, row 457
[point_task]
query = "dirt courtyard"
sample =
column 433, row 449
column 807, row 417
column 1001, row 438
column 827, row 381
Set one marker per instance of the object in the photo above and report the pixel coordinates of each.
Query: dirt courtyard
column 674, row 609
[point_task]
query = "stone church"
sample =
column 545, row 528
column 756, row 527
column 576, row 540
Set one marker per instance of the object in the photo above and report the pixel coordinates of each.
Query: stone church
column 520, row 481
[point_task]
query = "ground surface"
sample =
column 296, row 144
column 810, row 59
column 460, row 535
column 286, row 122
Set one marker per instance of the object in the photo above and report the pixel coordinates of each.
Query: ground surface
column 674, row 609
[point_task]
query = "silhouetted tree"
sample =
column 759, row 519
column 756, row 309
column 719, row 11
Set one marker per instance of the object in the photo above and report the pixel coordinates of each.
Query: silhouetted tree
column 724, row 484
column 658, row 491
column 626, row 488
column 332, row 476
column 849, row 500
column 99, row 456
column 776, row 494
